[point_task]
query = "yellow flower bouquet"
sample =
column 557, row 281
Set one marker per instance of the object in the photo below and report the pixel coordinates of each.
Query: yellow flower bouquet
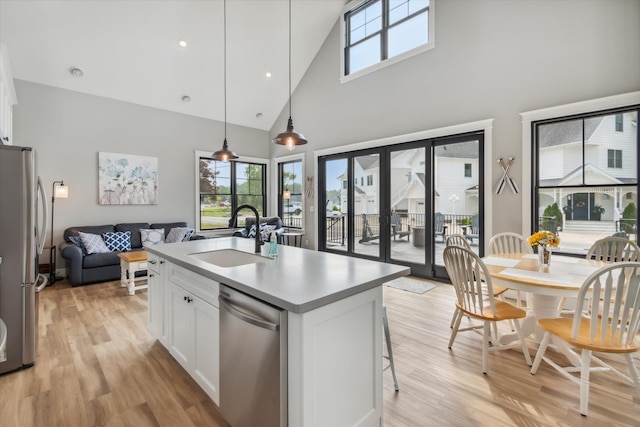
column 544, row 238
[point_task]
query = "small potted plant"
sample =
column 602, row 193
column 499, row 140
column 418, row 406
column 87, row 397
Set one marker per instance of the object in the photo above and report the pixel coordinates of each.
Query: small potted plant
column 597, row 212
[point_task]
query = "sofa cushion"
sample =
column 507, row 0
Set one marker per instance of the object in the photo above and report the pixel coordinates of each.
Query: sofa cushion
column 93, row 243
column 176, row 234
column 118, row 240
column 168, row 226
column 100, row 260
column 134, row 228
column 152, row 237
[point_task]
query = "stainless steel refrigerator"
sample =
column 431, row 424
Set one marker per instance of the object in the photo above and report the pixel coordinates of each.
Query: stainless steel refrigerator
column 22, row 204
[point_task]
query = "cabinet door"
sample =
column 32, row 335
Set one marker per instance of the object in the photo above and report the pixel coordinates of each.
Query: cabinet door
column 154, row 304
column 181, row 320
column 206, row 360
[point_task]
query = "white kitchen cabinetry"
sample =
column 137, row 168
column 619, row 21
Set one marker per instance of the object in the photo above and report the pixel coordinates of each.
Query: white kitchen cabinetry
column 155, row 290
column 193, row 326
column 7, row 98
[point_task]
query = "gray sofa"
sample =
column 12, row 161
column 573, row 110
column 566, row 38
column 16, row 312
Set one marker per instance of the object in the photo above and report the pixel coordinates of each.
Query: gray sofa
column 85, row 268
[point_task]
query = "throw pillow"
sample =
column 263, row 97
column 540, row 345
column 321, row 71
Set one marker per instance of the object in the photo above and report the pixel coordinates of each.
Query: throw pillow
column 176, row 235
column 93, row 243
column 76, row 241
column 266, row 231
column 152, row 236
column 189, row 235
column 118, row 240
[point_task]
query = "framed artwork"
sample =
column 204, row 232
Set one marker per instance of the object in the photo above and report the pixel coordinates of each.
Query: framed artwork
column 127, row 179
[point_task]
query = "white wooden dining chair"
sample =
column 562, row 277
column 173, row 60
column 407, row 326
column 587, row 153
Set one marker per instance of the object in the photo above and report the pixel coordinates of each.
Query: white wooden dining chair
column 608, row 249
column 461, row 240
column 475, row 299
column 510, row 243
column 609, row 325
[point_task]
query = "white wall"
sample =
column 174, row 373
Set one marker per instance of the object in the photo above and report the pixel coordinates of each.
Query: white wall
column 492, row 59
column 68, row 130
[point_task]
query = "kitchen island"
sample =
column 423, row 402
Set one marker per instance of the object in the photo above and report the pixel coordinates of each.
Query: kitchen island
column 333, row 335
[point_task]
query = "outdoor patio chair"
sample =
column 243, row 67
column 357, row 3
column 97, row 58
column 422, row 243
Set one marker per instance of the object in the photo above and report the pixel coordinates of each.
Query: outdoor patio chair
column 367, row 232
column 440, row 228
column 472, row 231
column 609, row 325
column 396, row 227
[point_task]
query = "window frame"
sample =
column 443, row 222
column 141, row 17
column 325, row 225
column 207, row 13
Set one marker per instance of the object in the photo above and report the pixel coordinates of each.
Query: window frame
column 617, row 158
column 281, row 188
column 233, row 185
column 468, row 170
column 588, row 187
column 355, row 6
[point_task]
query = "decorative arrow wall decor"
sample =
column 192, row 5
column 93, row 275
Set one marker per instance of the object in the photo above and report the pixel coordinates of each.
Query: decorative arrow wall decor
column 506, row 179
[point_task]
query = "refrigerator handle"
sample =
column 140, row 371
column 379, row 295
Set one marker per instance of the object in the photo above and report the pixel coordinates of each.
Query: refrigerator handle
column 42, row 231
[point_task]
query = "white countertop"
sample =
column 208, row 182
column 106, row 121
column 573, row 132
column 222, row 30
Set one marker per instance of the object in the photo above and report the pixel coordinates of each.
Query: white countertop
column 298, row 280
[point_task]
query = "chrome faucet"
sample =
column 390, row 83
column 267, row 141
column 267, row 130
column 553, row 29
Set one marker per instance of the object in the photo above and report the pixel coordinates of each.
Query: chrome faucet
column 232, row 223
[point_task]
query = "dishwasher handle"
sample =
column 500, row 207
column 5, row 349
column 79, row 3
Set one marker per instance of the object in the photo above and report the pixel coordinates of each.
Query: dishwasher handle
column 227, row 305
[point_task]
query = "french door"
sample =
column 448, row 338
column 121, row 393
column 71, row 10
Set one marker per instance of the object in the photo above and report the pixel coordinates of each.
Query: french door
column 398, row 203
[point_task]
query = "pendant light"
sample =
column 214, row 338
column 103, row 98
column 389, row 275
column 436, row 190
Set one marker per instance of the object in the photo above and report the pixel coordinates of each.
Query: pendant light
column 225, row 154
column 290, row 138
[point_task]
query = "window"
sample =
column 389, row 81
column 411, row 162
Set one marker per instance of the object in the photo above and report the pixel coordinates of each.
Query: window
column 223, row 186
column 581, row 185
column 378, row 30
column 290, row 178
column 369, row 179
column 614, row 159
column 619, row 122
column 467, row 170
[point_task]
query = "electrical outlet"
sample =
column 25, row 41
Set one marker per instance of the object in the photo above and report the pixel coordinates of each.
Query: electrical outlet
column 306, row 243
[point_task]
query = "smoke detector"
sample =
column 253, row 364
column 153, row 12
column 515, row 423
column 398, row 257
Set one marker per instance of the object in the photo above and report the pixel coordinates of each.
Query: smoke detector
column 76, row 71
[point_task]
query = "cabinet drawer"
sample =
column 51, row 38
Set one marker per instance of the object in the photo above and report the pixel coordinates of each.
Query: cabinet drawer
column 153, row 262
column 205, row 288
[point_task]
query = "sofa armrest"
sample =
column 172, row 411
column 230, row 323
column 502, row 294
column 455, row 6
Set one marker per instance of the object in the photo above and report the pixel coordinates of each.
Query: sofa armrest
column 73, row 256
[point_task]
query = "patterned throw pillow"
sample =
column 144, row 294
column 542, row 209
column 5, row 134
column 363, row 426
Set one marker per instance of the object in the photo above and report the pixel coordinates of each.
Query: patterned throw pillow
column 189, row 235
column 118, row 240
column 176, row 235
column 152, row 236
column 93, row 243
column 265, row 231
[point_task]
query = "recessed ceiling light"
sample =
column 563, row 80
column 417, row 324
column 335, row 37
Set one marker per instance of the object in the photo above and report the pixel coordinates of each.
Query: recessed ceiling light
column 182, row 43
column 76, row 71
column 268, row 75
column 186, row 98
column 259, row 116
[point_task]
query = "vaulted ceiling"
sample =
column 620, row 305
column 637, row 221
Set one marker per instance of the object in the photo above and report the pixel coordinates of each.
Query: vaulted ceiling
column 129, row 51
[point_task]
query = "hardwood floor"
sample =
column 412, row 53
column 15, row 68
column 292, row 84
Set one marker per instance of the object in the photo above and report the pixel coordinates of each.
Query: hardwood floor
column 97, row 365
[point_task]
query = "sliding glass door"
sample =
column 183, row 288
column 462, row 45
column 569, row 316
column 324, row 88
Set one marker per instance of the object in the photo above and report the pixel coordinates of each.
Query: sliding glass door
column 399, row 203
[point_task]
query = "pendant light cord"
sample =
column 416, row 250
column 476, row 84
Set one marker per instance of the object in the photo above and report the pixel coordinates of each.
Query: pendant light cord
column 290, row 59
column 225, row 70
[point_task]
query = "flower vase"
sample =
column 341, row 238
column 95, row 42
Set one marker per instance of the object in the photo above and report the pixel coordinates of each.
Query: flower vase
column 544, row 255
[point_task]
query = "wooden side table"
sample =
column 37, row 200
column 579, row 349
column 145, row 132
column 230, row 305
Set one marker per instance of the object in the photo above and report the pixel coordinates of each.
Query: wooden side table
column 130, row 262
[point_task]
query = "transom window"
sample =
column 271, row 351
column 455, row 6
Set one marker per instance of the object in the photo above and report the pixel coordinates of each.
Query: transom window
column 377, row 30
column 223, row 186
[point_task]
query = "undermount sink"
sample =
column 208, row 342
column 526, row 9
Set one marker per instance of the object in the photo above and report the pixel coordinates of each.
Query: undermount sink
column 228, row 257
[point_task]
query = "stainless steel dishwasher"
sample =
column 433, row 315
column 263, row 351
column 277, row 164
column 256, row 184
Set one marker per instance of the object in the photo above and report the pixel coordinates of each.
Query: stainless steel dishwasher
column 253, row 361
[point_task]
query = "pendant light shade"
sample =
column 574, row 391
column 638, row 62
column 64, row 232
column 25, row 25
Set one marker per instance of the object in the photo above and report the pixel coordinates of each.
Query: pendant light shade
column 225, row 154
column 290, row 138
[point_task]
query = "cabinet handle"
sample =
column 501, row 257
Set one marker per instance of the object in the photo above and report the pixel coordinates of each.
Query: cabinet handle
column 151, row 275
column 152, row 262
column 184, row 298
column 189, row 300
column 161, row 262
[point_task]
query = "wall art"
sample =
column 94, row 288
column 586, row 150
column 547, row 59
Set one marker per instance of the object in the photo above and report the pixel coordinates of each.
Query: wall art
column 127, row 179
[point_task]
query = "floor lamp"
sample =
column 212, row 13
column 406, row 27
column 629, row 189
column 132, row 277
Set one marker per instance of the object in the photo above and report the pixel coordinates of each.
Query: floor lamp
column 286, row 195
column 59, row 191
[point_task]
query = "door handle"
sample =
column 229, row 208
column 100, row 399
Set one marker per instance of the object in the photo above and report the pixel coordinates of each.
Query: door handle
column 226, row 304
